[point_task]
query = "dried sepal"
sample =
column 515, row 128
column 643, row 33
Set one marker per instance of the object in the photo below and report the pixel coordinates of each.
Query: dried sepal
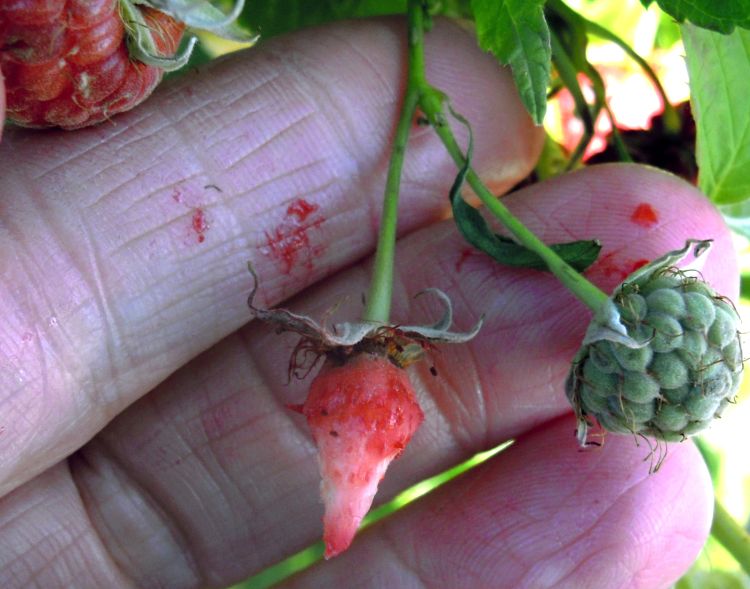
column 195, row 14
column 204, row 16
column 607, row 323
column 403, row 344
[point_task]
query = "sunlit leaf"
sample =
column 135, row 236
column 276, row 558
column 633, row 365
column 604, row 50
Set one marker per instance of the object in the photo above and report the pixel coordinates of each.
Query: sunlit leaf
column 718, row 15
column 719, row 69
column 516, row 32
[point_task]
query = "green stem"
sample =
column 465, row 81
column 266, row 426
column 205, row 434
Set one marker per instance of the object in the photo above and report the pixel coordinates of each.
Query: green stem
column 582, row 288
column 731, row 535
column 431, row 103
column 379, row 296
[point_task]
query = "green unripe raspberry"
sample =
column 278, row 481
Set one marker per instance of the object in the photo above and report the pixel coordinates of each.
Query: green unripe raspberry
column 666, row 366
column 632, row 413
column 639, row 387
column 723, row 330
column 667, row 301
column 676, row 396
column 667, row 331
column 732, row 354
column 594, row 399
column 671, row 418
column 634, row 308
column 636, row 359
column 669, row 370
column 605, row 382
column 700, row 407
column 666, row 280
column 700, row 312
column 694, row 345
column 602, row 357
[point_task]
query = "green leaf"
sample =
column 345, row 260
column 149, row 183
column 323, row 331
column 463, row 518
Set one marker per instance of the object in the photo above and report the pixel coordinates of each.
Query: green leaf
column 717, row 15
column 719, row 70
column 579, row 254
column 274, row 17
column 745, row 286
column 516, row 32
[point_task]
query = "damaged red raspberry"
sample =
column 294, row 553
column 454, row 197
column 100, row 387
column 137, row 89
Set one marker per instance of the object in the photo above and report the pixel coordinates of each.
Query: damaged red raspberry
column 361, row 414
column 361, row 407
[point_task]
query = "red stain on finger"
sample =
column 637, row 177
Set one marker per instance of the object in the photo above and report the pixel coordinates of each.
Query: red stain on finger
column 466, row 253
column 199, row 224
column 608, row 266
column 301, row 209
column 289, row 243
column 638, row 264
column 644, row 215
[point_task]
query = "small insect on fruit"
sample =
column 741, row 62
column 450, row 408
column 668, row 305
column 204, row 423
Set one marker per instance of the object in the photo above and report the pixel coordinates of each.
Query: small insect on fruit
column 361, row 408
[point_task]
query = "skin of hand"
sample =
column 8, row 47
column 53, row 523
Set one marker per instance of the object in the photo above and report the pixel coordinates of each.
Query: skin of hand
column 144, row 439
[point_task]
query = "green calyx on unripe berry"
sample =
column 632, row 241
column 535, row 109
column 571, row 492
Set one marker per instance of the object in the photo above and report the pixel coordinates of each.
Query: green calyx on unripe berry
column 662, row 359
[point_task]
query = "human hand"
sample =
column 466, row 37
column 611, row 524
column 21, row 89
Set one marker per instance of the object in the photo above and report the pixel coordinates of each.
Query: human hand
column 143, row 433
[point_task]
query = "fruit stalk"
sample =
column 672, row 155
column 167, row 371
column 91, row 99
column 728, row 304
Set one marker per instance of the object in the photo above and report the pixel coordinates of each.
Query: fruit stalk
column 432, row 106
column 380, row 293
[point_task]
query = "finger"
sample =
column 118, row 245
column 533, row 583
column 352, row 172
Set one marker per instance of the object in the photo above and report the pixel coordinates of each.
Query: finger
column 214, row 466
column 124, row 247
column 542, row 515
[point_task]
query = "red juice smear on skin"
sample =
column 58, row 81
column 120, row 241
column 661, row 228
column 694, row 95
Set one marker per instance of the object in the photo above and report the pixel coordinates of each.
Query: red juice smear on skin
column 638, row 264
column 198, row 222
column 289, row 243
column 609, row 267
column 301, row 209
column 465, row 255
column 200, row 225
column 644, row 215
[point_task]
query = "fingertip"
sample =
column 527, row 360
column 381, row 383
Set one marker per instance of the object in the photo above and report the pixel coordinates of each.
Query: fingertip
column 638, row 213
column 676, row 518
column 507, row 143
column 545, row 513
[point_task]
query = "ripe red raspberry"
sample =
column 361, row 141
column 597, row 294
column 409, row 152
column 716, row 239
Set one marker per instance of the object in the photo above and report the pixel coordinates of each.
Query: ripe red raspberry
column 66, row 62
column 361, row 414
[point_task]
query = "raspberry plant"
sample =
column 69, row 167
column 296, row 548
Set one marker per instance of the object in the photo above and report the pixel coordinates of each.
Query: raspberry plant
column 662, row 356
